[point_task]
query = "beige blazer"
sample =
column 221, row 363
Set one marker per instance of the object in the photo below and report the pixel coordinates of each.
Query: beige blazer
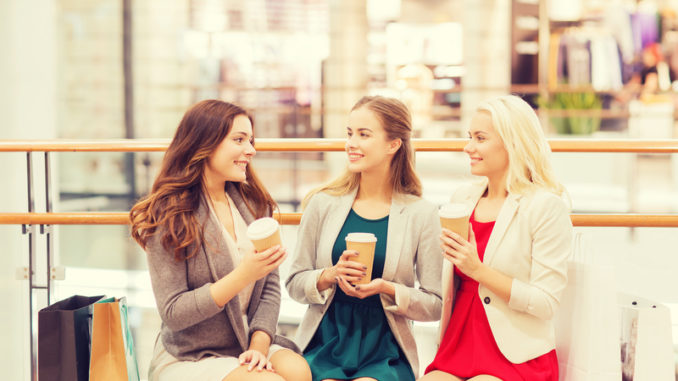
column 531, row 243
column 412, row 254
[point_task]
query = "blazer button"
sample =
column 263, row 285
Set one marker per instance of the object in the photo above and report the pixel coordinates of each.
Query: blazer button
column 487, row 300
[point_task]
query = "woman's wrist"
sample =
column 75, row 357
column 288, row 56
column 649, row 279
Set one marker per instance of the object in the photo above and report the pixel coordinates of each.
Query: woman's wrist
column 242, row 276
column 386, row 287
column 223, row 290
column 261, row 342
column 479, row 275
column 494, row 280
column 325, row 280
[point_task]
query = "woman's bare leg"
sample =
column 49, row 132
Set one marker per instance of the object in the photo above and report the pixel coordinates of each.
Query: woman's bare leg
column 291, row 366
column 242, row 374
column 438, row 375
column 485, row 377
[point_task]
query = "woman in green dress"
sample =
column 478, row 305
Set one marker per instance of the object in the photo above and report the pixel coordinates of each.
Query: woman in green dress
column 357, row 331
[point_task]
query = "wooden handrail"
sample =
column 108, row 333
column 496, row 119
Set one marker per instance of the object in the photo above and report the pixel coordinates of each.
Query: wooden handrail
column 325, row 145
column 121, row 218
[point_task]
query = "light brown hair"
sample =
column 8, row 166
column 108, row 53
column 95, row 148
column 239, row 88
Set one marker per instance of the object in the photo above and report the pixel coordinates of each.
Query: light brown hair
column 396, row 121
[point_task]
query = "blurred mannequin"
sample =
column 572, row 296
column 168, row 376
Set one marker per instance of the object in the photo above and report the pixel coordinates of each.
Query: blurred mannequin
column 652, row 78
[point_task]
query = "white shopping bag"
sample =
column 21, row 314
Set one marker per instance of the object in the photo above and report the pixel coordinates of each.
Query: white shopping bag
column 646, row 340
column 588, row 320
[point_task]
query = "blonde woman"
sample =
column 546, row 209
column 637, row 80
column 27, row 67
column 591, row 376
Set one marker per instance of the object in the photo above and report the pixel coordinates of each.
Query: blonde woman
column 363, row 332
column 508, row 276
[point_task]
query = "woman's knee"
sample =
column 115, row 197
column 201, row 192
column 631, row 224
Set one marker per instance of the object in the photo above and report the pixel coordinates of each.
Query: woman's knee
column 243, row 374
column 291, row 366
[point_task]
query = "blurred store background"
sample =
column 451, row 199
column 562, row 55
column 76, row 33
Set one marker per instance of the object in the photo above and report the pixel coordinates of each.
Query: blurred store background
column 101, row 69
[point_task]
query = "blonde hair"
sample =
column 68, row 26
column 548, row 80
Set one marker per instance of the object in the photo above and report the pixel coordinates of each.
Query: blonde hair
column 528, row 151
column 397, row 123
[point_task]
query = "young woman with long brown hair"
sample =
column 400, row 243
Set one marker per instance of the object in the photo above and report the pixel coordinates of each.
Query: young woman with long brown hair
column 218, row 299
column 363, row 332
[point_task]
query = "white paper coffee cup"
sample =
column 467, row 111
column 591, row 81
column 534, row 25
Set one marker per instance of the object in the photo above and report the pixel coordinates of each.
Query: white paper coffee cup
column 264, row 233
column 455, row 217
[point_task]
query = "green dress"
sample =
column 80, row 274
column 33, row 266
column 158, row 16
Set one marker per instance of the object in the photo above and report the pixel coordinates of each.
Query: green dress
column 354, row 339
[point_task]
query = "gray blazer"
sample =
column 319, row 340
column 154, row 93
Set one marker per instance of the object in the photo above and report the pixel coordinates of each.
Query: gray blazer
column 193, row 326
column 412, row 254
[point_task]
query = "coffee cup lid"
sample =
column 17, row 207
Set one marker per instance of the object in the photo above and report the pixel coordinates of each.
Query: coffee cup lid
column 361, row 237
column 262, row 228
column 453, row 210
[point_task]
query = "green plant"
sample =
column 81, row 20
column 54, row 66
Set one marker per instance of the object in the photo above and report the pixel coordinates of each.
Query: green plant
column 576, row 101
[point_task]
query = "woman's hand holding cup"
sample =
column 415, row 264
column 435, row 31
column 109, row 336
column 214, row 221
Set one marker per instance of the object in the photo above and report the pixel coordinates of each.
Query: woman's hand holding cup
column 349, row 270
column 259, row 264
column 345, row 268
column 268, row 250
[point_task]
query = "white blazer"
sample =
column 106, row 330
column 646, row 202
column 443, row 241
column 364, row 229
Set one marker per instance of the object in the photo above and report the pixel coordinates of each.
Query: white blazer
column 531, row 243
column 412, row 256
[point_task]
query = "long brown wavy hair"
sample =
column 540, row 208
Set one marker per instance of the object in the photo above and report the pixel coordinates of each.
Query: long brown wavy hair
column 396, row 120
column 178, row 189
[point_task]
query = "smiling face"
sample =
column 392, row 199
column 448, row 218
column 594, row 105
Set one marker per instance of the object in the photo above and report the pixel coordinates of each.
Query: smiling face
column 228, row 162
column 368, row 147
column 486, row 149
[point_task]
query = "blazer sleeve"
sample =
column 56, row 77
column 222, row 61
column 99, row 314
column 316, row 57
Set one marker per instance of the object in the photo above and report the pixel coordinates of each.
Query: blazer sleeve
column 265, row 318
column 422, row 303
column 302, row 283
column 178, row 306
column 551, row 230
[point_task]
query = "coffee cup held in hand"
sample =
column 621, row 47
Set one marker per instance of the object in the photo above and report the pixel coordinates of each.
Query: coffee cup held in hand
column 264, row 233
column 455, row 217
column 364, row 244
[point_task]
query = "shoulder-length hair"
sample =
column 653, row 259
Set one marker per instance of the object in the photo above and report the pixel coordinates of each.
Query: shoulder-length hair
column 178, row 189
column 528, row 151
column 397, row 123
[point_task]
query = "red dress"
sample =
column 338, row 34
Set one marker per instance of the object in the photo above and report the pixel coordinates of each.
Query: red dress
column 468, row 348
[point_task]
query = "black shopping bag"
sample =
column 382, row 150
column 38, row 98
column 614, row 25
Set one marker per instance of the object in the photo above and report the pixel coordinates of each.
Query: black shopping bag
column 64, row 339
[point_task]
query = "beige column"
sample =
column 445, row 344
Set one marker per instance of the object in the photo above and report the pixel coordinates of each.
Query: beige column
column 28, row 110
column 487, row 55
column 345, row 70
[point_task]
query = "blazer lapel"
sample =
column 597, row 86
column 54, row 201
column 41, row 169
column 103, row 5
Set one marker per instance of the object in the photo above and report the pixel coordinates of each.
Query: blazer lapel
column 239, row 203
column 397, row 224
column 337, row 213
column 214, row 242
column 248, row 217
column 476, row 192
column 215, row 245
column 506, row 214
